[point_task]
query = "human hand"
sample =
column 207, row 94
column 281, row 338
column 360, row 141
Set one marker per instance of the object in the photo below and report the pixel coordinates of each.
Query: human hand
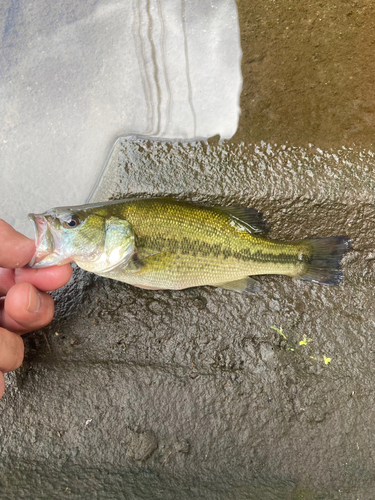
column 26, row 306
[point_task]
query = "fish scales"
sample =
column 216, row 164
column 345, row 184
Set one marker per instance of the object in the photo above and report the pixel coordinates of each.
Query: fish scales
column 165, row 243
column 203, row 246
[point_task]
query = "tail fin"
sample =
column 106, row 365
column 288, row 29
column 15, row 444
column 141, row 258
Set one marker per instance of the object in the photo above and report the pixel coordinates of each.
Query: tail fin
column 323, row 264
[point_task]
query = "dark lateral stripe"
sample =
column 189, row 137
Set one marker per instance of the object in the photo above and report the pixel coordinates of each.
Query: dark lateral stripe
column 186, row 246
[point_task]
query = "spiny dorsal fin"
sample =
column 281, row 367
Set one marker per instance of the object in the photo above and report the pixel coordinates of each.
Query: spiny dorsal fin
column 250, row 217
column 245, row 285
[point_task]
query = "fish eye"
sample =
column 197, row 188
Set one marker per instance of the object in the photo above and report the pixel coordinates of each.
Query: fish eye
column 71, row 222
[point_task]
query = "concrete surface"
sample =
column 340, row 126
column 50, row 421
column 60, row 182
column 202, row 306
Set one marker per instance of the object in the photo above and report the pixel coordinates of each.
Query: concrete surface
column 142, row 394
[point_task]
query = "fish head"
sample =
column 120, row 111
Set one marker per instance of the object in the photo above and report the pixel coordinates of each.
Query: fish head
column 63, row 235
column 96, row 242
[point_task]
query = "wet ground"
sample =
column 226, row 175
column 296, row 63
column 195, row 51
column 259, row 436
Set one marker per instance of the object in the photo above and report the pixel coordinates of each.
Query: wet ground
column 308, row 71
column 204, row 393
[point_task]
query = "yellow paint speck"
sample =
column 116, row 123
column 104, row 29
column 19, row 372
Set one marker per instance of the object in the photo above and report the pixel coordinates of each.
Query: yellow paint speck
column 304, row 341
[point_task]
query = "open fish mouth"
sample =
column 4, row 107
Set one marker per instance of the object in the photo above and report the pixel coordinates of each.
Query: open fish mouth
column 44, row 240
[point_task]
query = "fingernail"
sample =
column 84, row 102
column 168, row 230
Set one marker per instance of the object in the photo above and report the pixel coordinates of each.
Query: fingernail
column 34, row 301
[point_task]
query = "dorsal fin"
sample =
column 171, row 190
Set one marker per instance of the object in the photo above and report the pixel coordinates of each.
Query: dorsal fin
column 250, row 217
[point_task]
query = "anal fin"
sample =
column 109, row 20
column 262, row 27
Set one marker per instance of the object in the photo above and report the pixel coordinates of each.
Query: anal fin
column 246, row 285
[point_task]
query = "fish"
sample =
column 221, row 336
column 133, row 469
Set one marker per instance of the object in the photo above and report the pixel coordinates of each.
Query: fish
column 164, row 243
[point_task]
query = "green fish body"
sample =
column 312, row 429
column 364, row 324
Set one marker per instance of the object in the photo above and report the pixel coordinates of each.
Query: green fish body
column 162, row 243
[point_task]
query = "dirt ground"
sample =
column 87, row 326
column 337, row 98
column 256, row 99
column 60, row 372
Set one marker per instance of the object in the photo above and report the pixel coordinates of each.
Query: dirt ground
column 204, row 393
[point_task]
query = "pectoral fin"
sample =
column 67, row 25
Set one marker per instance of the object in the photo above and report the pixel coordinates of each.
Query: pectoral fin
column 135, row 264
column 149, row 263
column 150, row 272
column 245, row 285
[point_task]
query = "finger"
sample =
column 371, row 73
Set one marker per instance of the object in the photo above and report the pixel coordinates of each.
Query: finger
column 15, row 249
column 6, row 280
column 11, row 351
column 47, row 279
column 26, row 309
column 2, row 385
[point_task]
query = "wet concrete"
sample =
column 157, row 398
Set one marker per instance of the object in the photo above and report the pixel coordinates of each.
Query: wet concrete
column 192, row 394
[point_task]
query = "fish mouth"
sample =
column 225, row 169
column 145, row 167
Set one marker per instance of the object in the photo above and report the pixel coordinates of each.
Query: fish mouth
column 44, row 240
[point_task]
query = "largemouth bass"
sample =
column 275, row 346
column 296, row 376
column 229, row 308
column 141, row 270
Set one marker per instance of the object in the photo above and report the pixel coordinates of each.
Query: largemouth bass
column 162, row 243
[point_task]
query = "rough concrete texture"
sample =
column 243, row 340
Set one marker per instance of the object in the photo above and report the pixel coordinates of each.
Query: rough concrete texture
column 192, row 394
